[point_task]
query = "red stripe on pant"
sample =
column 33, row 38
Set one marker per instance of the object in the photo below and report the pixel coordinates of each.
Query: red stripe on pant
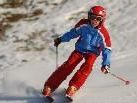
column 58, row 76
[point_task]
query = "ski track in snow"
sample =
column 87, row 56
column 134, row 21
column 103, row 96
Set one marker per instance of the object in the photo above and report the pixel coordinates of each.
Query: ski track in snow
column 23, row 74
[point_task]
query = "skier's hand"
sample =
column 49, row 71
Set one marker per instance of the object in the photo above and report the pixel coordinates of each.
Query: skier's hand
column 105, row 69
column 57, row 41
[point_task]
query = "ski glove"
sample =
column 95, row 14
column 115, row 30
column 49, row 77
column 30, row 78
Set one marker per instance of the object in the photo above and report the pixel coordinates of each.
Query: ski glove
column 57, row 41
column 105, row 69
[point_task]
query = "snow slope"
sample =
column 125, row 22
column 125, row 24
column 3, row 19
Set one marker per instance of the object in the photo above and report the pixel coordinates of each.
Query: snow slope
column 22, row 85
column 27, row 59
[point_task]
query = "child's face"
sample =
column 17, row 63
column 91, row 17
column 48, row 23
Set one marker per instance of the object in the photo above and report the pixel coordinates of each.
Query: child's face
column 95, row 20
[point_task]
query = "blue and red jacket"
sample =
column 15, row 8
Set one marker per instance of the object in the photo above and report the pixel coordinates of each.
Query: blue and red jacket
column 90, row 40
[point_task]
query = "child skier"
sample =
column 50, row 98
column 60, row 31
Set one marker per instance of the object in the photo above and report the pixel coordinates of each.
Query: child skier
column 93, row 39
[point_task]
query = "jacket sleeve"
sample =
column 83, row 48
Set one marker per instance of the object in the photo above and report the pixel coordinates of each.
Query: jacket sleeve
column 106, row 55
column 107, row 51
column 73, row 33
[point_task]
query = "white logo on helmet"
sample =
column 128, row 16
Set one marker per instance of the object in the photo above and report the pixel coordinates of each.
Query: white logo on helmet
column 100, row 12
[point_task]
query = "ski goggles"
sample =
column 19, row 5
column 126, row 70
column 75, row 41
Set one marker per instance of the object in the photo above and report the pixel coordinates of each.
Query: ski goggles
column 98, row 18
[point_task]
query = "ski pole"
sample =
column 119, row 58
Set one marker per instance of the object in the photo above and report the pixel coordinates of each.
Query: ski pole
column 120, row 78
column 56, row 57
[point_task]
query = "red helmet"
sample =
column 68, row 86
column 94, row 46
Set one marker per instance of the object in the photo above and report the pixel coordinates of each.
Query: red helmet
column 98, row 10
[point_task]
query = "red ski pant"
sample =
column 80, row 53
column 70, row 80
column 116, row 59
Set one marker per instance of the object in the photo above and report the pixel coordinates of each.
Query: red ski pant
column 58, row 76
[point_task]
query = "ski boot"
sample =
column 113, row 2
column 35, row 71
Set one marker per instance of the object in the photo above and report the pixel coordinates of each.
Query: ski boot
column 47, row 94
column 71, row 90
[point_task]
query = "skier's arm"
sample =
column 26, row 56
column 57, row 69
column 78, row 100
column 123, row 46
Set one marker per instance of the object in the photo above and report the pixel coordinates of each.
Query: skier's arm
column 106, row 52
column 73, row 33
column 106, row 46
column 106, row 55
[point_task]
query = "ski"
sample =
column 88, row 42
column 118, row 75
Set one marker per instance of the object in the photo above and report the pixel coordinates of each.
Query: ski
column 48, row 99
column 68, row 99
column 64, row 98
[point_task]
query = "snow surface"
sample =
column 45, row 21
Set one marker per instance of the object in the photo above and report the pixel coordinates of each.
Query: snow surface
column 28, row 59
